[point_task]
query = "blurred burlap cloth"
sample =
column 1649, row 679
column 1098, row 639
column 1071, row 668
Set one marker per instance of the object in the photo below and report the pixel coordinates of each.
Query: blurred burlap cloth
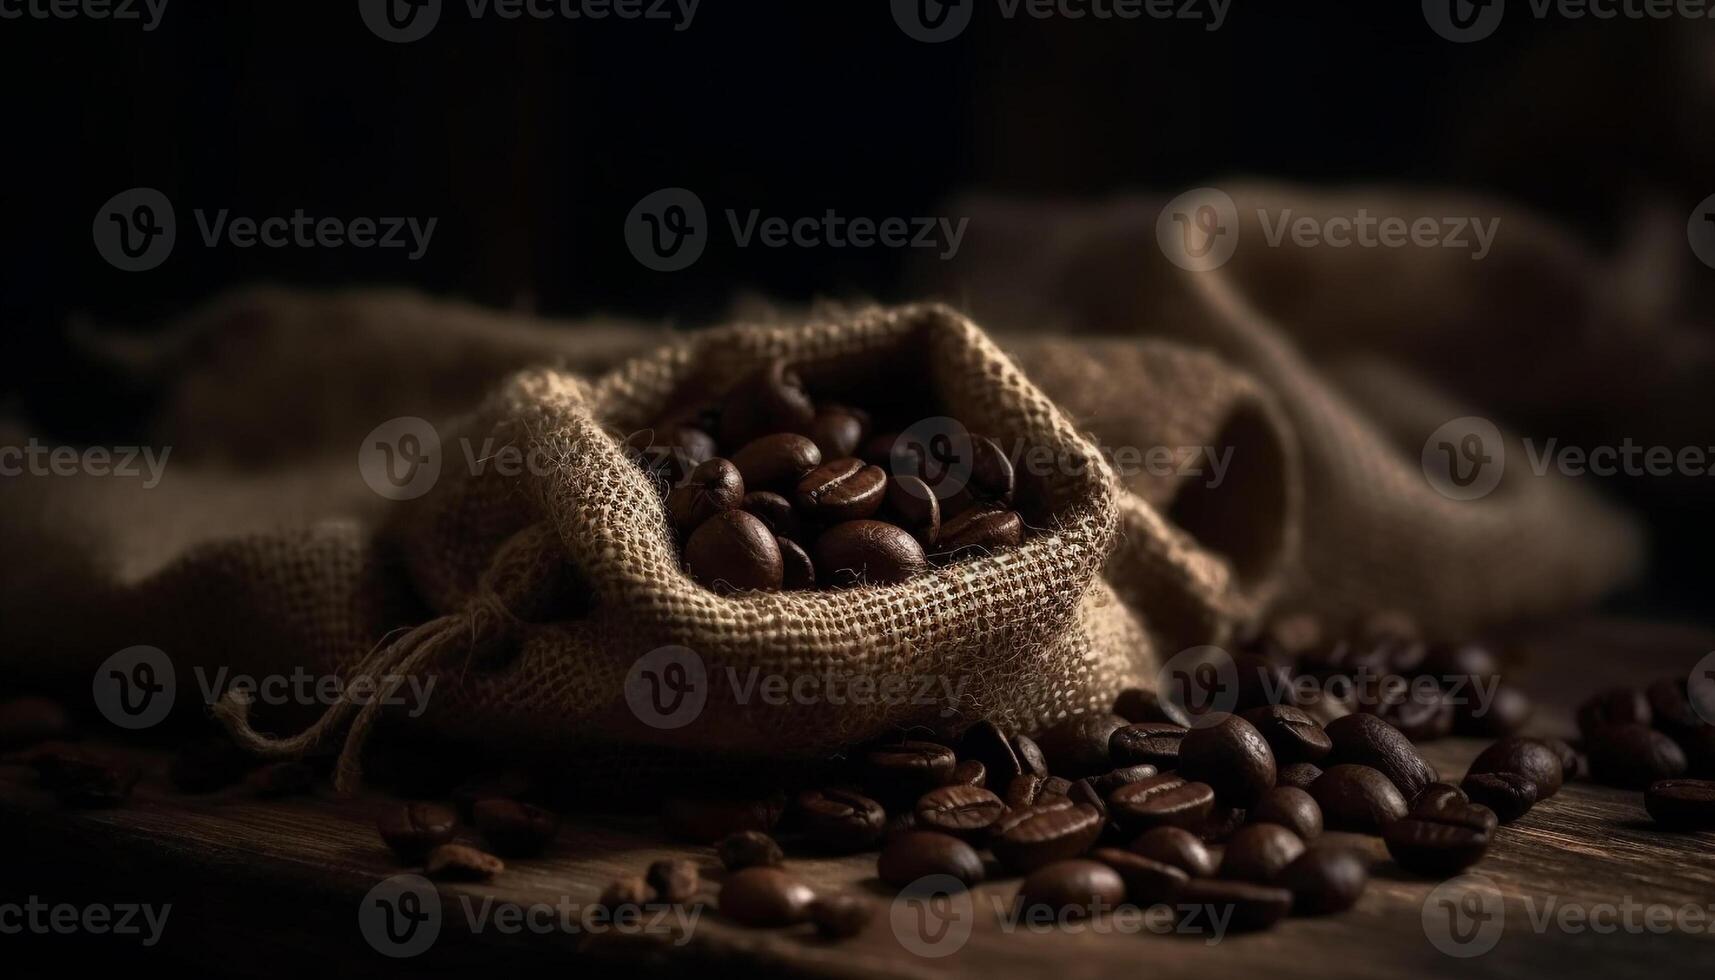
column 530, row 594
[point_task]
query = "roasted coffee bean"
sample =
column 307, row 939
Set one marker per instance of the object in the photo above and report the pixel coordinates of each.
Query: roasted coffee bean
column 836, row 432
column 904, row 771
column 797, row 572
column 733, row 551
column 1078, row 746
column 278, row 780
column 1615, row 706
column 749, row 849
column 913, row 506
column 413, row 830
column 1150, row 743
column 1244, row 906
column 1682, row 804
column 1571, row 761
column 1509, row 794
column 1632, row 756
column 1421, row 714
column 1324, row 707
column 1294, row 809
column 770, row 399
column 841, row 916
column 1041, row 837
column 1670, row 705
column 456, row 862
column 868, row 552
column 1231, row 756
column 30, row 721
column 839, row 819
column 765, row 898
column 1261, row 681
column 1023, row 791
column 1163, row 800
column 1030, row 758
column 776, row 512
column 1222, row 822
column 841, row 490
column 1055, row 786
column 981, row 529
column 1299, row 774
column 627, row 893
column 670, row 449
column 1084, row 791
column 208, row 765
column 776, row 462
column 1525, row 756
column 1259, row 852
column 675, row 880
column 1357, row 798
column 991, row 471
column 712, row 487
column 515, row 829
column 1428, row 846
column 1293, row 735
column 1178, row 847
column 921, row 853
column 1107, row 782
column 1365, row 740
column 508, row 785
column 1137, row 706
column 969, row 772
column 1505, row 713
column 878, row 449
column 1074, row 889
column 899, row 822
column 1147, row 881
column 1437, row 796
column 705, row 820
column 1324, row 880
column 986, row 743
column 962, row 811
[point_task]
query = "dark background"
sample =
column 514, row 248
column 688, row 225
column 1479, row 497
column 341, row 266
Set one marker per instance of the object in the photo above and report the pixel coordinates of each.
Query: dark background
column 531, row 140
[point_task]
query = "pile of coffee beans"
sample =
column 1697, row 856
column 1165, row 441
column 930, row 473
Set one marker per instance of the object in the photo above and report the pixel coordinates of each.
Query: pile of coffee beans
column 772, row 490
column 426, row 833
column 1653, row 740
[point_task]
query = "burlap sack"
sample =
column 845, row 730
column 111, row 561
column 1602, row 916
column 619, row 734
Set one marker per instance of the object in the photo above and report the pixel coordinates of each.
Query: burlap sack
column 531, row 594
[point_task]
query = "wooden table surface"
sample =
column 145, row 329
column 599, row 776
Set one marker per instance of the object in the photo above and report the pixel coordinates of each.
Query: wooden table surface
column 274, row 888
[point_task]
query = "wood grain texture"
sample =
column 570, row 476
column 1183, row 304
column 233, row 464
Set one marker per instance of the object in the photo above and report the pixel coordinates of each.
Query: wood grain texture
column 274, row 887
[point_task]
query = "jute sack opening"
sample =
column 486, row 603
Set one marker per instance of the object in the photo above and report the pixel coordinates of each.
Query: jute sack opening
column 551, row 582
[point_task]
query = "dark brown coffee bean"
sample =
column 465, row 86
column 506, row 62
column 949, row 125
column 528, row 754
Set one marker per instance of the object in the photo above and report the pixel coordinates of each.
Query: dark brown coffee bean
column 980, row 530
column 31, row 721
column 733, row 551
column 456, row 862
column 1509, row 794
column 776, row 512
column 1231, row 756
column 1163, row 800
column 836, row 432
column 878, row 450
column 1292, row 808
column 1078, row 746
column 898, row 822
column 1421, row 714
column 675, row 880
column 969, row 772
column 1571, row 761
column 1178, row 847
column 1324, row 707
column 279, row 780
column 1365, row 740
column 1293, row 735
column 1325, row 880
column 1615, row 706
column 671, row 450
column 839, row 819
column 712, row 487
column 1357, row 798
column 1074, row 889
column 1222, row 823
column 1299, row 774
column 509, row 785
column 1525, row 756
column 962, row 811
column 1041, row 837
column 1503, row 714
column 770, row 399
column 1671, row 709
column 777, row 461
column 868, row 552
column 841, row 916
column 1147, row 881
column 1244, row 906
column 749, row 849
column 1261, row 681
column 913, row 506
column 1151, row 743
column 1433, row 847
column 1632, row 756
column 1107, row 782
column 921, row 853
column 1030, row 758
column 1022, row 791
column 987, row 744
column 1437, row 796
column 1137, row 706
column 765, row 898
column 627, row 893
column 841, row 490
column 1084, row 791
column 413, row 830
column 904, row 771
column 992, row 475
column 1259, row 852
column 797, row 572
column 515, row 829
column 705, row 820
column 1682, row 804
